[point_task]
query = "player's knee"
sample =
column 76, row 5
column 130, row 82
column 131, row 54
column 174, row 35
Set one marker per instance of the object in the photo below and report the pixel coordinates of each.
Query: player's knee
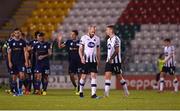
column 93, row 75
column 119, row 76
column 38, row 77
column 83, row 76
column 14, row 78
column 107, row 75
column 71, row 76
column 161, row 74
column 46, row 77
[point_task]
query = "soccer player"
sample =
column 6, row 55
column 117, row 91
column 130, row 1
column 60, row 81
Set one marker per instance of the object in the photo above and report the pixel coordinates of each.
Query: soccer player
column 43, row 51
column 28, row 71
column 113, row 62
column 17, row 60
column 89, row 52
column 169, row 66
column 72, row 46
column 32, row 57
column 160, row 64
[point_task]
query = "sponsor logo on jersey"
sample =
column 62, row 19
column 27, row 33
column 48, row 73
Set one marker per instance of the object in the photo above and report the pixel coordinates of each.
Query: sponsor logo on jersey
column 91, row 44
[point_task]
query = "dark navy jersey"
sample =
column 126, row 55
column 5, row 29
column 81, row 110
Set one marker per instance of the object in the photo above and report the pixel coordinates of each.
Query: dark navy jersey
column 33, row 43
column 17, row 50
column 72, row 47
column 6, row 45
column 32, row 53
column 41, row 48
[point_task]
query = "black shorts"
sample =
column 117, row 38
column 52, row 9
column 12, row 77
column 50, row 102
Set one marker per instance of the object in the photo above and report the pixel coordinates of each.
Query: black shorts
column 74, row 67
column 28, row 70
column 170, row 70
column 114, row 68
column 89, row 67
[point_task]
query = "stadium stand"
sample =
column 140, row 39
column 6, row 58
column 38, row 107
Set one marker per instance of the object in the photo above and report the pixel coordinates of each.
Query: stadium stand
column 47, row 15
column 141, row 25
column 20, row 11
column 90, row 12
column 158, row 19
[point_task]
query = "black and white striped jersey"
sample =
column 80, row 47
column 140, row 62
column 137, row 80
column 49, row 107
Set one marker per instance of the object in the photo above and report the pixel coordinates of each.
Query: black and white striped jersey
column 168, row 51
column 90, row 47
column 112, row 43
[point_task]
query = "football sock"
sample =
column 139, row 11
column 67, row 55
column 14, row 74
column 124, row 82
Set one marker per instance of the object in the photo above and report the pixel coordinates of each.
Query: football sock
column 81, row 84
column 161, row 84
column 93, row 86
column 107, row 87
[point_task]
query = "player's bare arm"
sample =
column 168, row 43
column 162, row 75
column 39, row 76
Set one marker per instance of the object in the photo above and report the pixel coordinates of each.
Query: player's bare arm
column 98, row 56
column 60, row 44
column 9, row 58
column 81, row 54
column 26, row 54
column 114, row 54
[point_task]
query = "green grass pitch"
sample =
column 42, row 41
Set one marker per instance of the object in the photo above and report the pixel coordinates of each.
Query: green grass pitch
column 66, row 99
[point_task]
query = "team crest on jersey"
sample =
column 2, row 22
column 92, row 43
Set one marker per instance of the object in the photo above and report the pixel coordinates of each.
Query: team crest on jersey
column 14, row 44
column 45, row 46
column 71, row 43
column 38, row 46
column 91, row 44
column 20, row 44
column 109, row 46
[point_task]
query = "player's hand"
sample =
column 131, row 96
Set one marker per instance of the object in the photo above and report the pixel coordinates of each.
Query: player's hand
column 83, row 61
column 59, row 37
column 98, row 63
column 10, row 65
column 40, row 57
column 26, row 64
column 110, row 61
column 30, row 64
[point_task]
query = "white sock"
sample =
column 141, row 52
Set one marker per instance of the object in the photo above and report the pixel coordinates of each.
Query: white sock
column 81, row 84
column 107, row 87
column 175, row 84
column 161, row 84
column 123, row 83
column 93, row 86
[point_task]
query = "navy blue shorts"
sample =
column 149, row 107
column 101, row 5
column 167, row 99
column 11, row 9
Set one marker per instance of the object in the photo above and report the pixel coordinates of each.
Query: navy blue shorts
column 75, row 68
column 17, row 69
column 28, row 70
column 42, row 68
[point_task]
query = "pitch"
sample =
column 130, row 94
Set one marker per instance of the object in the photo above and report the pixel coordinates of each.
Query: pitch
column 66, row 99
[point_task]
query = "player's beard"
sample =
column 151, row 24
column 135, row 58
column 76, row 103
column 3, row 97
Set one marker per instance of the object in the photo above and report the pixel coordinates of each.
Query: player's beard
column 107, row 36
column 91, row 35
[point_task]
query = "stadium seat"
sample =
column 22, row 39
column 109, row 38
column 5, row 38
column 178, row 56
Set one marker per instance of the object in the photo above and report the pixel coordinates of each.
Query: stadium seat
column 48, row 14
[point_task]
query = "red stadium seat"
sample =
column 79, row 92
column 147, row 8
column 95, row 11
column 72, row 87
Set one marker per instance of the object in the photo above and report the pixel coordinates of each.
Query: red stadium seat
column 145, row 9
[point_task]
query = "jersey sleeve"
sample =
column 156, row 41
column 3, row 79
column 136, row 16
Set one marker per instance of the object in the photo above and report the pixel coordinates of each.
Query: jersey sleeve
column 24, row 43
column 9, row 44
column 66, row 43
column 117, row 42
column 172, row 50
column 49, row 45
column 82, row 41
column 35, row 47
